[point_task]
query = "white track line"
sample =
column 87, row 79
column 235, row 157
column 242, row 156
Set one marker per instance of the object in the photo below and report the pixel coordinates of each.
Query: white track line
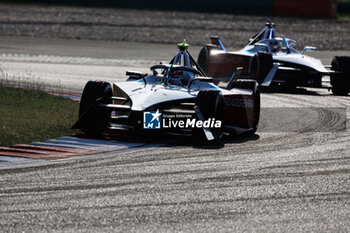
column 74, row 60
column 88, row 144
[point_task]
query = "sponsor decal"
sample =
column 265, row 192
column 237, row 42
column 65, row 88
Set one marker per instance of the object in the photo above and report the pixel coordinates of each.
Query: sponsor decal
column 239, row 103
column 191, row 123
column 157, row 120
column 151, row 120
column 230, row 60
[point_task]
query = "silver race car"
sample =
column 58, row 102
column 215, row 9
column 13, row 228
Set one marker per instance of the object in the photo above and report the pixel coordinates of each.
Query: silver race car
column 176, row 98
column 273, row 61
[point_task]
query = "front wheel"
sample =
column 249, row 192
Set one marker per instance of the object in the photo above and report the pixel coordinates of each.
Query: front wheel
column 341, row 84
column 211, row 103
column 261, row 65
column 340, row 87
column 94, row 118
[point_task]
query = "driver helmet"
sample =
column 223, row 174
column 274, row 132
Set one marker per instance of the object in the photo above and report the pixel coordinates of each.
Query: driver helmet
column 179, row 77
column 274, row 45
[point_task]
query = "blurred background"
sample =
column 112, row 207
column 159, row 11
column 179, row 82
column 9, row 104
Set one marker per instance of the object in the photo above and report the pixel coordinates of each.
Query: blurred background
column 321, row 23
column 308, row 8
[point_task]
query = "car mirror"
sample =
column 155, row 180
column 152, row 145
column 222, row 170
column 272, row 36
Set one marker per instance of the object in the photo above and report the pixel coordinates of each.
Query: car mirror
column 309, row 49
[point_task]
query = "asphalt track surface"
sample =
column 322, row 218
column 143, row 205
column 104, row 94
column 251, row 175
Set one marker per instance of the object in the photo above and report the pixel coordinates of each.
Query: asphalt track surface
column 296, row 179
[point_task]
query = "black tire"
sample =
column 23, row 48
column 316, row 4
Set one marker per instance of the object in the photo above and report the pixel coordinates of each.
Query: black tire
column 253, row 86
column 95, row 119
column 261, row 65
column 211, row 103
column 203, row 57
column 256, row 114
column 341, row 83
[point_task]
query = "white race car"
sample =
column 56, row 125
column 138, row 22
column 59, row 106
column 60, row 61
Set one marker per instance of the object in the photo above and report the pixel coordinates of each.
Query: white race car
column 176, row 98
column 273, row 61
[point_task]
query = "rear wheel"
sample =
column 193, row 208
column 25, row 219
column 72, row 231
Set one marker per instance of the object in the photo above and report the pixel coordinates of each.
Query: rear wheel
column 253, row 86
column 256, row 114
column 203, row 58
column 204, row 54
column 95, row 118
column 261, row 66
column 211, row 103
column 341, row 83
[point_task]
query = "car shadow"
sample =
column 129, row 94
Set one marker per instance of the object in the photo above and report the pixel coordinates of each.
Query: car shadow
column 283, row 89
column 200, row 143
column 240, row 138
column 290, row 90
column 171, row 140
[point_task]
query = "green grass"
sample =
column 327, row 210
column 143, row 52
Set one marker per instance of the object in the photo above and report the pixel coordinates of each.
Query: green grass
column 343, row 10
column 343, row 16
column 30, row 115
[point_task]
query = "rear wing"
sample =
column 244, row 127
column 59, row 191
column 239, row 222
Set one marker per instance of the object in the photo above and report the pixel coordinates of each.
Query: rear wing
column 215, row 40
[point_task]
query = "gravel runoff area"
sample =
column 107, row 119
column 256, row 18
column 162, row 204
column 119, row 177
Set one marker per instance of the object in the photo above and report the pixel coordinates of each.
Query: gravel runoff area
column 165, row 27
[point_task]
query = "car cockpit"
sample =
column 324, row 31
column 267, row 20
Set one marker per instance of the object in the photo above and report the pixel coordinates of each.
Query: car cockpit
column 267, row 41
